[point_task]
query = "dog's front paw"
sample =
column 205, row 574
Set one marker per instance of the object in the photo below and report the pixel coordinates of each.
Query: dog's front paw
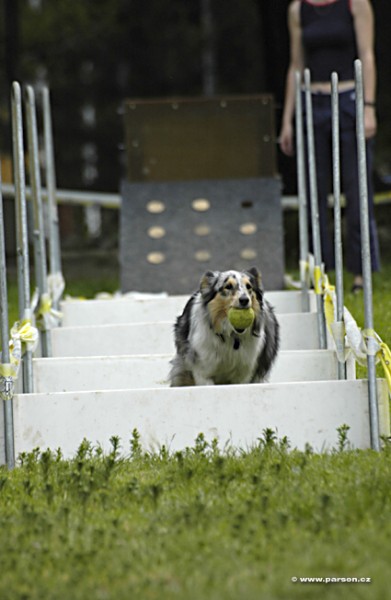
column 201, row 380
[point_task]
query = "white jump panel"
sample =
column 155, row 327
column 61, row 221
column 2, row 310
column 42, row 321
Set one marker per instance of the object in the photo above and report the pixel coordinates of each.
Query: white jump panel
column 134, row 372
column 298, row 331
column 304, row 412
column 137, row 309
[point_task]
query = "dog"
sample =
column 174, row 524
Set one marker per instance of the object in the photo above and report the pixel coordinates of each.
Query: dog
column 209, row 350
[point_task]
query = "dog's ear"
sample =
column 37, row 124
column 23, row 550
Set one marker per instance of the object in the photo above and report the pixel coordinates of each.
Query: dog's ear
column 256, row 277
column 207, row 285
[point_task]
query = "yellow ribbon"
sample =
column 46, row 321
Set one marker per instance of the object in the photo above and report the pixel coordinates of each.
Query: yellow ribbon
column 45, row 305
column 56, row 286
column 304, row 266
column 382, row 353
column 318, row 280
column 47, row 316
column 329, row 301
column 22, row 332
column 384, row 356
column 25, row 332
column 8, row 369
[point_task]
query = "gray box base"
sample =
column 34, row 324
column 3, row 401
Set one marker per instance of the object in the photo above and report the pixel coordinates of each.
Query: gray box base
column 167, row 242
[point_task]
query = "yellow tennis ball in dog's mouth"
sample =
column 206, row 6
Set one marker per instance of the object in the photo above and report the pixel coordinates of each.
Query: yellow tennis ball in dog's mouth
column 241, row 318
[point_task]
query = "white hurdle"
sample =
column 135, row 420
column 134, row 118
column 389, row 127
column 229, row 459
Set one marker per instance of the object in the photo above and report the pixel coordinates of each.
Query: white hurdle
column 142, row 307
column 83, row 373
column 298, row 331
column 305, row 412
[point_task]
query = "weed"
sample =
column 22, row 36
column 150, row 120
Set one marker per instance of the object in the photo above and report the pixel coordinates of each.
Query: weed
column 343, row 441
column 197, row 523
column 135, row 445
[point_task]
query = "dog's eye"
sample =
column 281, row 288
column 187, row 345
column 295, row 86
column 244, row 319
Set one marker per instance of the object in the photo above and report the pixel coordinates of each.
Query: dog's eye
column 229, row 286
column 249, row 286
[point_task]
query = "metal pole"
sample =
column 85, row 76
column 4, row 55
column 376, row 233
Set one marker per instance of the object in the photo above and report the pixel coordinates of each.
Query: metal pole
column 39, row 233
column 21, row 226
column 366, row 255
column 314, row 205
column 209, row 68
column 302, row 194
column 337, row 210
column 54, row 231
column 5, row 353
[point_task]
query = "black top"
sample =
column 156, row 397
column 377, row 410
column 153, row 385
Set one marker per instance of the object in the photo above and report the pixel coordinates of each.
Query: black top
column 329, row 39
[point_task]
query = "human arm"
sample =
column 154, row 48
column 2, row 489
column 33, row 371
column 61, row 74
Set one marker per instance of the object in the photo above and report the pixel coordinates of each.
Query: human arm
column 296, row 64
column 364, row 29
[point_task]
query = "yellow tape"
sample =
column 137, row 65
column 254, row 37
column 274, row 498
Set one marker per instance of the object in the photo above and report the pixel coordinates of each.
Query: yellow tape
column 384, row 355
column 304, row 266
column 47, row 317
column 56, row 286
column 45, row 305
column 329, row 310
column 8, row 370
column 8, row 376
column 318, row 280
column 328, row 300
column 24, row 331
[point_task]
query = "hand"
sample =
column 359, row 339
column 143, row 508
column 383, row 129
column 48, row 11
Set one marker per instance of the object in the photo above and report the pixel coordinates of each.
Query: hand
column 370, row 121
column 286, row 140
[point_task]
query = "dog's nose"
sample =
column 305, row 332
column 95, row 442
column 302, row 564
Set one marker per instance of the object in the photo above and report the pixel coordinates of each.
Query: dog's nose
column 244, row 300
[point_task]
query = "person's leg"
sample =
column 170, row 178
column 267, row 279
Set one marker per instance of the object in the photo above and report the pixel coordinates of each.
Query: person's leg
column 351, row 189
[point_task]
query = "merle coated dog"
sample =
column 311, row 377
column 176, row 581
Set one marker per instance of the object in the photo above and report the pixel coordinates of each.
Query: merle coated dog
column 209, row 350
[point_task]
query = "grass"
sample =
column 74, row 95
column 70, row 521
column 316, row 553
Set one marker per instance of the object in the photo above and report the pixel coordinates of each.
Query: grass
column 199, row 523
column 195, row 524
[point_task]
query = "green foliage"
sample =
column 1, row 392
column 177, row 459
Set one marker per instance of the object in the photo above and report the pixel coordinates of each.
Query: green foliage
column 201, row 523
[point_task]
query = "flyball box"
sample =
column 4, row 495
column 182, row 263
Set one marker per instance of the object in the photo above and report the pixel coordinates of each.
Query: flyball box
column 200, row 138
column 201, row 192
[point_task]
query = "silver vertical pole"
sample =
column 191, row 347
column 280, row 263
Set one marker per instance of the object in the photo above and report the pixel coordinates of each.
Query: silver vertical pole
column 302, row 193
column 337, row 210
column 366, row 255
column 54, row 231
column 209, row 69
column 39, row 233
column 21, row 226
column 314, row 205
column 5, row 353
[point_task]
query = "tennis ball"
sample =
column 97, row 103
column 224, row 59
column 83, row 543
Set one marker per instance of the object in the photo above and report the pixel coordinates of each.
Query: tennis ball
column 241, row 318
